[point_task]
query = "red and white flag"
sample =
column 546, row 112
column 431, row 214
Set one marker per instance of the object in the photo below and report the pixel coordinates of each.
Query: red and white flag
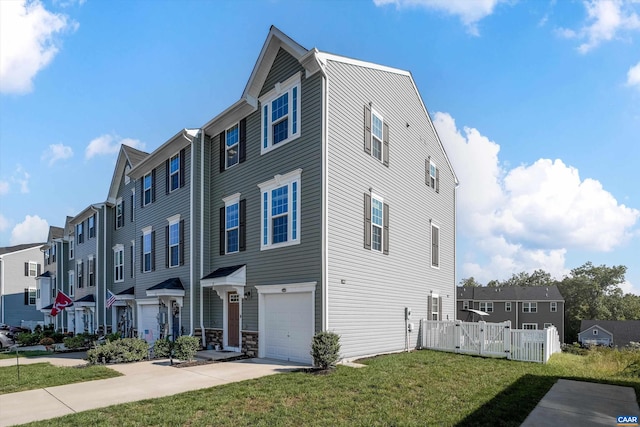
column 62, row 302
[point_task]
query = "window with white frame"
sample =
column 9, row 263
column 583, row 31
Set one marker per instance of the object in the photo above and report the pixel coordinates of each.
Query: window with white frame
column 33, row 295
column 376, row 135
column 80, row 275
column 119, row 213
column 92, row 226
column 595, row 332
column 529, row 307
column 232, row 146
column 174, row 172
column 280, row 114
column 80, row 232
column 486, row 306
column 530, row 326
column 507, row 306
column 280, row 210
column 118, row 263
column 147, row 183
column 377, row 221
column 435, row 307
column 432, row 174
column 147, row 250
column 33, row 269
column 232, row 223
column 174, row 241
column 72, row 283
column 435, row 246
column 553, row 306
column 72, row 247
column 91, row 273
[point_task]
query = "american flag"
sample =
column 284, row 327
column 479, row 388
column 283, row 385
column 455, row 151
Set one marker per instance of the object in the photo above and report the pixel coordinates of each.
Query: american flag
column 111, row 298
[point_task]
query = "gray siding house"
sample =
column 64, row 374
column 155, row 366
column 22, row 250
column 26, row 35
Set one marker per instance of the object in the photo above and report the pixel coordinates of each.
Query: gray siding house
column 329, row 205
column 19, row 267
column 533, row 307
column 615, row 333
column 48, row 282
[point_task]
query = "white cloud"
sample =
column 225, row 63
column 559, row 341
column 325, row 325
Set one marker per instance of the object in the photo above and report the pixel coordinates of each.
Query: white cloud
column 4, row 188
column 469, row 12
column 57, row 152
column 633, row 76
column 529, row 216
column 33, row 229
column 628, row 288
column 109, row 144
column 4, row 223
column 21, row 177
column 606, row 19
column 28, row 42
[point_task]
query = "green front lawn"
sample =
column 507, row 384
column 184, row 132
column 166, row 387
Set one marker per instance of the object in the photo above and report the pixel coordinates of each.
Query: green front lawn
column 418, row 388
column 40, row 375
column 28, row 353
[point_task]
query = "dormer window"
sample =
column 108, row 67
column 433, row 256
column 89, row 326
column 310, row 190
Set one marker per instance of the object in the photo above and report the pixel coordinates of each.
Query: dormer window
column 281, row 114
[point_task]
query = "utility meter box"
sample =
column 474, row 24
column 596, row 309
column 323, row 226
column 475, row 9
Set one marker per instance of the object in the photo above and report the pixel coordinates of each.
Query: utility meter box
column 410, row 327
column 407, row 313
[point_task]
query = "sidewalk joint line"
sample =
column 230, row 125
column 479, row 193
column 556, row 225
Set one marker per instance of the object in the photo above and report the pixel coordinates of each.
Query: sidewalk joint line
column 52, row 395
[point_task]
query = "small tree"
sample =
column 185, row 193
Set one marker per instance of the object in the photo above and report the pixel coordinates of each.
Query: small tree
column 325, row 349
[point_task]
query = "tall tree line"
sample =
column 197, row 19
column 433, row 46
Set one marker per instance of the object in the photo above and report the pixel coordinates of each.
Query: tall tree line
column 589, row 292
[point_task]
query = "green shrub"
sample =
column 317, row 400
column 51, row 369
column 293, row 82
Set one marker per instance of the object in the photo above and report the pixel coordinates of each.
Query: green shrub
column 186, row 347
column 120, row 351
column 46, row 341
column 26, row 338
column 74, row 342
column 325, row 349
column 161, row 348
column 113, row 337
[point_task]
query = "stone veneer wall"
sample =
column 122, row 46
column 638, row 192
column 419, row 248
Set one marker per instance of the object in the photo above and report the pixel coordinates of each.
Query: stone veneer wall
column 213, row 336
column 250, row 343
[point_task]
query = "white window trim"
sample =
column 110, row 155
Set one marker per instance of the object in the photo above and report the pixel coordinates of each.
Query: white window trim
column 227, row 148
column 435, row 299
column 118, row 248
column 234, row 199
column 487, row 304
column 80, row 270
column 265, row 101
column 35, row 295
column 72, row 247
column 553, row 307
column 373, row 136
column 35, row 269
column 535, row 326
column 119, row 203
column 595, row 332
column 437, row 267
column 144, row 189
column 381, row 200
column 177, row 172
column 507, row 306
column 265, row 188
column 147, row 231
column 530, row 307
column 432, row 174
column 174, row 220
column 72, row 282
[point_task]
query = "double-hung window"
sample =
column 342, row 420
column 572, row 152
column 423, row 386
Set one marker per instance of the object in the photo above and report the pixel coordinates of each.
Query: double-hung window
column 432, row 175
column 231, row 224
column 33, row 295
column 529, row 307
column 435, row 307
column 72, row 247
column 530, row 326
column 148, row 188
column 280, row 223
column 71, row 283
column 280, row 114
column 119, row 213
column 118, row 263
column 553, row 307
column 376, row 223
column 435, row 246
column 80, row 232
column 31, row 269
column 92, row 226
column 92, row 271
column 174, row 241
column 80, row 269
column 376, row 135
column 174, row 172
column 486, row 306
column 147, row 249
column 507, row 306
column 232, row 141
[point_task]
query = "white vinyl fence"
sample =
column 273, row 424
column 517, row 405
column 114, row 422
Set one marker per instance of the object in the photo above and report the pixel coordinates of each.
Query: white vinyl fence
column 490, row 339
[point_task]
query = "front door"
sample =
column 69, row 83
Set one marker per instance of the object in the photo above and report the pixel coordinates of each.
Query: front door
column 233, row 321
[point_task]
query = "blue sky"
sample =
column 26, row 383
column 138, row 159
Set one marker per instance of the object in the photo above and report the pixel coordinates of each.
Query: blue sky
column 537, row 104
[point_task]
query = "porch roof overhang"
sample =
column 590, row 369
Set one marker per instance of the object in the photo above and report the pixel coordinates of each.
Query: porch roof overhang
column 45, row 275
column 126, row 295
column 225, row 279
column 86, row 301
column 169, row 288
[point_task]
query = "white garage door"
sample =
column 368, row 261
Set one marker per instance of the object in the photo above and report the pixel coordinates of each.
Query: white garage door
column 288, row 326
column 149, row 328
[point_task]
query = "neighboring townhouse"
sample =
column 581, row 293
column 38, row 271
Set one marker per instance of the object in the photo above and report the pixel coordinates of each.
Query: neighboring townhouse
column 329, row 204
column 532, row 307
column 20, row 265
column 165, row 191
column 47, row 282
column 614, row 333
column 123, row 240
column 89, row 243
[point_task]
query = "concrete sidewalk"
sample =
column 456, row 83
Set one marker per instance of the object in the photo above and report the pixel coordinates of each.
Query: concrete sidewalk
column 583, row 404
column 141, row 380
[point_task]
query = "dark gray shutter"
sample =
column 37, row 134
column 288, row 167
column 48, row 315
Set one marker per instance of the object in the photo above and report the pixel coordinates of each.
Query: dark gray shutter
column 242, row 145
column 142, row 253
column 38, row 270
column 367, row 129
column 243, row 225
column 153, row 186
column 385, row 230
column 26, row 296
column 26, row 268
column 440, row 308
column 223, row 163
column 132, row 254
column 367, row 221
column 429, row 307
column 153, row 251
column 123, row 211
column 166, row 176
column 181, row 246
column 385, row 144
column 182, row 167
column 142, row 192
column 222, row 231
column 132, row 203
column 166, row 247
column 437, row 180
column 427, row 178
column 83, row 271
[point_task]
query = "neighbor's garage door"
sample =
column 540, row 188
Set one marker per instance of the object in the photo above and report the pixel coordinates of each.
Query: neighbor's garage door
column 288, row 326
column 149, row 328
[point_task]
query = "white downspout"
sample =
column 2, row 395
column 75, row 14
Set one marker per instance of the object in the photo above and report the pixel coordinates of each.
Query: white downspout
column 325, row 202
column 104, row 270
column 191, row 257
column 202, row 333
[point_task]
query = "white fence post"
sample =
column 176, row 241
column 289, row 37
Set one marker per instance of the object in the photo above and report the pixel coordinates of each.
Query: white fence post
column 457, row 336
column 482, row 336
column 507, row 339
